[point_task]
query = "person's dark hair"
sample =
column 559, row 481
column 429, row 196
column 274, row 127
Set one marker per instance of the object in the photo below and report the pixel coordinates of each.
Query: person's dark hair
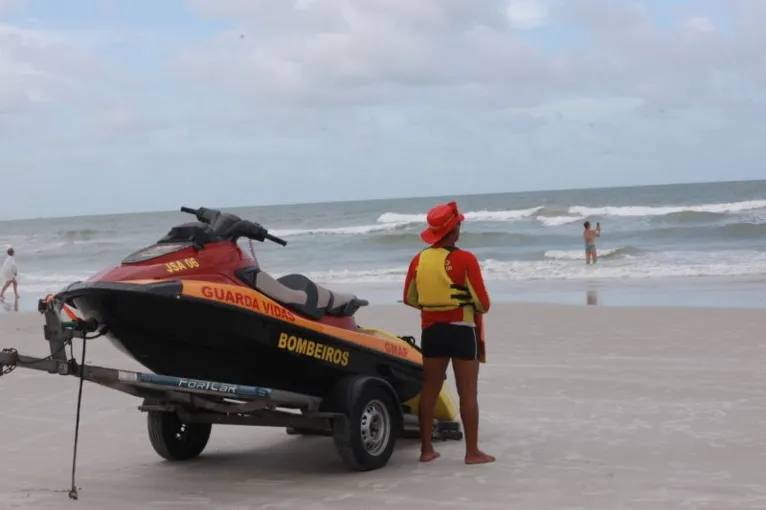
column 452, row 235
column 586, row 224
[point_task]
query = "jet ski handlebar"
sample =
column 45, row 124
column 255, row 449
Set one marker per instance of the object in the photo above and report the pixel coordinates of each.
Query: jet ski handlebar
column 232, row 226
column 258, row 233
column 275, row 239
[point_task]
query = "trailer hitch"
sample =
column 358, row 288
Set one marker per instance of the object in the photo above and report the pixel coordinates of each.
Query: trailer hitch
column 59, row 334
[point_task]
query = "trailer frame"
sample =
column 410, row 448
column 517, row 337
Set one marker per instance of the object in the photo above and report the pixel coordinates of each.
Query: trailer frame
column 197, row 404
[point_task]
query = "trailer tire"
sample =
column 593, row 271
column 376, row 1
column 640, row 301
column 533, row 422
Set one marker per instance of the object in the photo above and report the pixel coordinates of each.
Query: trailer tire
column 175, row 440
column 365, row 437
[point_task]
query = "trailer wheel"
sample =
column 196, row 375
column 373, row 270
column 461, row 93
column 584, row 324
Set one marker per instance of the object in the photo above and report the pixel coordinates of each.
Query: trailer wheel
column 173, row 439
column 366, row 436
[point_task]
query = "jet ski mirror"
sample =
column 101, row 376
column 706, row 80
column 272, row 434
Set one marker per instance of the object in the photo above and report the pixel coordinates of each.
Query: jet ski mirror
column 219, row 221
column 203, row 214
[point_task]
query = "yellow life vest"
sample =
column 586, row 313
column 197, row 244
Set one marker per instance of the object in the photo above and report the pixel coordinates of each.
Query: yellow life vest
column 436, row 290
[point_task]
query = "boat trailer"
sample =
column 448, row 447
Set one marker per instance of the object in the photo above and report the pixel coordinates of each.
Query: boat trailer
column 181, row 411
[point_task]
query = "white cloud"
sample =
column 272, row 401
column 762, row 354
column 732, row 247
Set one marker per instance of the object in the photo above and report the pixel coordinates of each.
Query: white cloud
column 9, row 5
column 534, row 93
column 341, row 51
column 463, row 52
column 527, row 14
column 119, row 119
column 700, row 23
column 39, row 67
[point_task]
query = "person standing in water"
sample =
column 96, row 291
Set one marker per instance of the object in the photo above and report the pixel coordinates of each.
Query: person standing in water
column 9, row 272
column 446, row 285
column 589, row 236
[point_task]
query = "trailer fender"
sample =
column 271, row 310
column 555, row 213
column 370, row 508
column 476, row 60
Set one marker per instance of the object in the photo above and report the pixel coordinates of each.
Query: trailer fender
column 350, row 388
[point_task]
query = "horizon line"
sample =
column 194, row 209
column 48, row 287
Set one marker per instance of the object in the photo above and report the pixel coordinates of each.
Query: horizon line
column 383, row 199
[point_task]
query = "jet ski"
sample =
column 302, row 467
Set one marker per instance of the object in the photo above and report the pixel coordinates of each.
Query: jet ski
column 195, row 304
column 226, row 342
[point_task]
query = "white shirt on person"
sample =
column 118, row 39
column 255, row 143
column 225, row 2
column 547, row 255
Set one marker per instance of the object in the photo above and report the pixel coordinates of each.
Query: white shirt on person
column 9, row 269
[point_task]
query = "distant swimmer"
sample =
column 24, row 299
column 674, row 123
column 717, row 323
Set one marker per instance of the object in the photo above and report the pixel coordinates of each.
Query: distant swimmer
column 589, row 236
column 9, row 272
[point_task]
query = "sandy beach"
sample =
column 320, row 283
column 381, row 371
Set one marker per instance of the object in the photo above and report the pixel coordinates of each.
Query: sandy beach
column 585, row 407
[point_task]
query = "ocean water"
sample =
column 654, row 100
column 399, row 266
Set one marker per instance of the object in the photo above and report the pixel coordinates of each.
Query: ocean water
column 657, row 242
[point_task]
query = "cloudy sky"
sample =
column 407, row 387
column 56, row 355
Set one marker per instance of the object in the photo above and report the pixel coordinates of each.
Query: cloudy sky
column 122, row 105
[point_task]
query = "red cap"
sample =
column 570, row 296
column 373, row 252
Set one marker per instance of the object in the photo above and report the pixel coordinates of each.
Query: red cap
column 441, row 220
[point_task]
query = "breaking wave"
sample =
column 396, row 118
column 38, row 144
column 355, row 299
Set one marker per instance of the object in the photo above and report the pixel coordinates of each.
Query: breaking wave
column 47, row 283
column 608, row 253
column 553, row 216
column 518, row 241
column 556, row 221
column 509, row 215
column 351, row 230
column 568, row 267
column 467, row 238
column 547, row 216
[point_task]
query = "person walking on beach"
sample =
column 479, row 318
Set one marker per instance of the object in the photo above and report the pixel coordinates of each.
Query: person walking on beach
column 589, row 236
column 446, row 285
column 9, row 272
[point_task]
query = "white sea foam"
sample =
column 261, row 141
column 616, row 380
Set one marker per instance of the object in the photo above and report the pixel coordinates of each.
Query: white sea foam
column 39, row 284
column 393, row 220
column 580, row 212
column 566, row 265
column 509, row 215
column 350, row 230
column 397, row 221
column 576, row 269
column 517, row 214
column 577, row 254
column 555, row 221
column 721, row 208
column 392, row 217
column 557, row 265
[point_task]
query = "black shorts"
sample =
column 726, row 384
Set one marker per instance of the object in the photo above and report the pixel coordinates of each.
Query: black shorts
column 445, row 340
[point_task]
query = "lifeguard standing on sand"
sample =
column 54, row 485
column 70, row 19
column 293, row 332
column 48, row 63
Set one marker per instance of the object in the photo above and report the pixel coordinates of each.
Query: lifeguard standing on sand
column 446, row 285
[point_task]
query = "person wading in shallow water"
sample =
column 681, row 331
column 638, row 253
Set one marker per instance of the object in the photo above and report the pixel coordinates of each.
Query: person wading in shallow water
column 446, row 285
column 589, row 237
column 9, row 272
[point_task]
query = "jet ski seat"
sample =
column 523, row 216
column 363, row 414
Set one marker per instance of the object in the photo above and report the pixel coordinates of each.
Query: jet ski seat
column 301, row 294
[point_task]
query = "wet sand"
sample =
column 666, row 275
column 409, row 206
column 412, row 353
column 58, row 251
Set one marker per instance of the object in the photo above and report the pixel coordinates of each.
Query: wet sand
column 585, row 407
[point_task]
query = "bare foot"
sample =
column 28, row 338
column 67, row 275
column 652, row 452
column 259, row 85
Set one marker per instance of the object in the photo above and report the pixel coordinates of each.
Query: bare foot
column 429, row 456
column 478, row 458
